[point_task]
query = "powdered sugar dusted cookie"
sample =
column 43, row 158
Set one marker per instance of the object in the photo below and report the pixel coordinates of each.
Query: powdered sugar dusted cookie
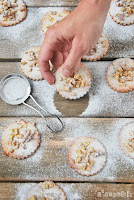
column 46, row 191
column 87, row 156
column 20, row 139
column 122, row 11
column 29, row 64
column 120, row 75
column 99, row 51
column 126, row 139
column 12, row 12
column 75, row 86
column 51, row 18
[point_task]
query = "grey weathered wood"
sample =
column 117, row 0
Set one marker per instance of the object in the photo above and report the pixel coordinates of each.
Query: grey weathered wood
column 16, row 39
column 101, row 101
column 51, row 3
column 51, row 159
column 73, row 191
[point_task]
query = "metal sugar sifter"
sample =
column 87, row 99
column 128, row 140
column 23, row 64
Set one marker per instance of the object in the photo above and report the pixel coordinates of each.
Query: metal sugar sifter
column 15, row 89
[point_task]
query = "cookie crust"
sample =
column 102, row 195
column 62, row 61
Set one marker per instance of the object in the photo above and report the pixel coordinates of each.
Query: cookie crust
column 99, row 51
column 80, row 147
column 29, row 64
column 47, row 189
column 125, row 138
column 51, row 18
column 20, row 139
column 17, row 10
column 68, row 88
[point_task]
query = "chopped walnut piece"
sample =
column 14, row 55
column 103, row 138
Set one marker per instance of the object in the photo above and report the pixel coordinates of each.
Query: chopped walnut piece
column 86, row 144
column 83, row 167
column 20, row 136
column 46, row 186
column 43, row 198
column 60, row 79
column 11, row 136
column 78, row 159
column 23, row 62
column 33, row 198
column 91, row 149
column 51, row 185
column 16, row 131
column 83, row 149
column 11, row 150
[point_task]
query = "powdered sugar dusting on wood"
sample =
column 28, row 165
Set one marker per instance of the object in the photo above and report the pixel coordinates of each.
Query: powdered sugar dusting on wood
column 52, row 155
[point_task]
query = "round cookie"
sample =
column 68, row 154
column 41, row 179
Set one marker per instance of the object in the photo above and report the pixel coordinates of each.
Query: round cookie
column 20, row 139
column 122, row 11
column 47, row 190
column 29, row 64
column 87, row 156
column 120, row 75
column 51, row 18
column 126, row 139
column 99, row 51
column 75, row 86
column 12, row 12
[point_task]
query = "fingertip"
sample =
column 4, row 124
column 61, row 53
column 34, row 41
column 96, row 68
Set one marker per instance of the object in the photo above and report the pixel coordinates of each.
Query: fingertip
column 66, row 72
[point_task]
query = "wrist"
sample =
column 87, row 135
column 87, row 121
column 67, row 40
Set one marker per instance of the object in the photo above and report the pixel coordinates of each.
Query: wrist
column 95, row 5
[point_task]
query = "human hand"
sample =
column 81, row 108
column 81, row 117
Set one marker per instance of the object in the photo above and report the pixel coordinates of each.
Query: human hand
column 68, row 40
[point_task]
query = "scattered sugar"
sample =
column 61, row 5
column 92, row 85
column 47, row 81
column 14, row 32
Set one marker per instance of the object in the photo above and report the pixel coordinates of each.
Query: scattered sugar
column 22, row 190
column 103, row 101
column 69, row 189
column 14, row 89
column 53, row 162
column 120, row 37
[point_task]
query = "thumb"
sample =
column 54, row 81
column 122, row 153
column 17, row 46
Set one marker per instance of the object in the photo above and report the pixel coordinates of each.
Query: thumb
column 72, row 61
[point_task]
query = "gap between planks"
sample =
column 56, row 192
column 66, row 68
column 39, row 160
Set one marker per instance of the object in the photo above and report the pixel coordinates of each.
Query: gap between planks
column 73, row 191
column 51, row 158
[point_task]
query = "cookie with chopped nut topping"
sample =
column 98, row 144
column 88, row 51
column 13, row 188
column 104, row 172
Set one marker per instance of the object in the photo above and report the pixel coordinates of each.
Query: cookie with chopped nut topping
column 122, row 11
column 75, row 86
column 20, row 139
column 99, row 51
column 51, row 18
column 120, row 75
column 29, row 64
column 126, row 139
column 12, row 12
column 47, row 190
column 87, row 156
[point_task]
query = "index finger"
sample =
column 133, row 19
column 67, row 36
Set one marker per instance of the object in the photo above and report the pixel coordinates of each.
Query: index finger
column 45, row 54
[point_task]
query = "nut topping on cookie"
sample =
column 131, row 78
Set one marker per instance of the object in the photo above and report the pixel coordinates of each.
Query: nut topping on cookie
column 46, row 191
column 12, row 12
column 75, row 86
column 17, row 140
column 126, row 139
column 98, row 51
column 29, row 64
column 120, row 75
column 51, row 18
column 122, row 11
column 87, row 156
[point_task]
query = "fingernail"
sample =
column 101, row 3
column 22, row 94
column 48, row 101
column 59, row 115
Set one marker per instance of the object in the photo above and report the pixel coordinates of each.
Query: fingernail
column 66, row 72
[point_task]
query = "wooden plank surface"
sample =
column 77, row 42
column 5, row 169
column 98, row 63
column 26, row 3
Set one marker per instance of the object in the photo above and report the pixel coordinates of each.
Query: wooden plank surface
column 46, row 3
column 101, row 101
column 73, row 191
column 51, row 159
column 28, row 33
